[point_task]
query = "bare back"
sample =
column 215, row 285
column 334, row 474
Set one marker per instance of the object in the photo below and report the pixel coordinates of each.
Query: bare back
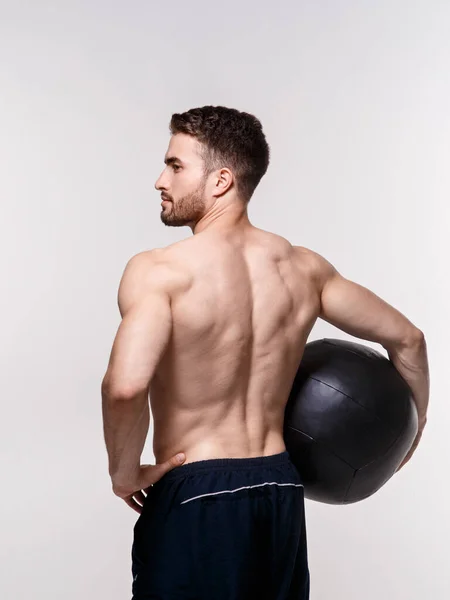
column 242, row 308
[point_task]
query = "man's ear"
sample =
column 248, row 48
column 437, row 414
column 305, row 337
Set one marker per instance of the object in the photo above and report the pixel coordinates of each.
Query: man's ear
column 224, row 181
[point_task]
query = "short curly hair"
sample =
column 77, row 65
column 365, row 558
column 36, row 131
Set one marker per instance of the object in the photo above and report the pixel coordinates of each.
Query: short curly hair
column 228, row 138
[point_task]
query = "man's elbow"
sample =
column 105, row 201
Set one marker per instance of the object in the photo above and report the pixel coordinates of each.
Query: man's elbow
column 413, row 338
column 111, row 390
column 121, row 391
column 417, row 337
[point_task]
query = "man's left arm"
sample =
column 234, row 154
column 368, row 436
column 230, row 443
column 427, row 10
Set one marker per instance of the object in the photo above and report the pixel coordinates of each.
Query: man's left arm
column 139, row 345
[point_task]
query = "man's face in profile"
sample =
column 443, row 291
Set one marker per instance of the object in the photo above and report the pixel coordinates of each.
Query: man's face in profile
column 182, row 182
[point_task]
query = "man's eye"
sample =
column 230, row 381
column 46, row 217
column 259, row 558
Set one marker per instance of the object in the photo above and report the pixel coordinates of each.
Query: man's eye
column 176, row 167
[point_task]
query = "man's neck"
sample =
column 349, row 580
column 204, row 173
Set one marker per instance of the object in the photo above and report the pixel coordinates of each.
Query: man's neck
column 232, row 217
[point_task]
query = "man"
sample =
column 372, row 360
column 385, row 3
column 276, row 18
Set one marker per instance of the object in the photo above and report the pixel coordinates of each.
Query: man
column 214, row 328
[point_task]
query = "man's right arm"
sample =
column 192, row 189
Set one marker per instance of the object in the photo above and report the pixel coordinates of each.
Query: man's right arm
column 361, row 313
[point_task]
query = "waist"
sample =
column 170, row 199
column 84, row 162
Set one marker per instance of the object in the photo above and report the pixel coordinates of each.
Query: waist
column 205, row 450
column 228, row 464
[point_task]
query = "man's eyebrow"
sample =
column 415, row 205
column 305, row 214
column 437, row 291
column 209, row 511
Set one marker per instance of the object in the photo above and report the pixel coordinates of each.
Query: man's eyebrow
column 169, row 160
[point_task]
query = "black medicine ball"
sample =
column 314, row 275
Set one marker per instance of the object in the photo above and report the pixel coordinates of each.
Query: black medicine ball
column 349, row 422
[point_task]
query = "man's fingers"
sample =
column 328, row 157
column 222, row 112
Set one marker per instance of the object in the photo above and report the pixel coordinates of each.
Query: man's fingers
column 411, row 451
column 150, row 474
column 175, row 461
column 407, row 458
column 170, row 464
column 139, row 497
column 134, row 505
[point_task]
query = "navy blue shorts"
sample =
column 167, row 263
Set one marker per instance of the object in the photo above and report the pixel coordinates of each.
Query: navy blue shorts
column 223, row 529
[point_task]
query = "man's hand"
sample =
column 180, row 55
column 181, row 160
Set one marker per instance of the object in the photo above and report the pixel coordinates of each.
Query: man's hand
column 413, row 447
column 145, row 477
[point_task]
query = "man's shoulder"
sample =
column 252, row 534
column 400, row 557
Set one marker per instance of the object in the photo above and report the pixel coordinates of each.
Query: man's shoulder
column 307, row 256
column 166, row 254
column 152, row 260
column 306, row 252
column 141, row 265
column 156, row 269
column 319, row 267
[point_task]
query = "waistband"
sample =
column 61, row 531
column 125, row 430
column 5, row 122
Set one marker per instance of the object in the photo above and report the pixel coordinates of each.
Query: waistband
column 231, row 464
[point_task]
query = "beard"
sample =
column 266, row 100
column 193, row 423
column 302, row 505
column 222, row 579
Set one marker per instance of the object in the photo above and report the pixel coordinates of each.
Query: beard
column 187, row 210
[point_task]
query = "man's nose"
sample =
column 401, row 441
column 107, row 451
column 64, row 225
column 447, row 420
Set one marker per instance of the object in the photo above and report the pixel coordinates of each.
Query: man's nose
column 159, row 184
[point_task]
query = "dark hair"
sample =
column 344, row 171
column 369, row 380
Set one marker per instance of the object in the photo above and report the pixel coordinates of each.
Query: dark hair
column 228, row 138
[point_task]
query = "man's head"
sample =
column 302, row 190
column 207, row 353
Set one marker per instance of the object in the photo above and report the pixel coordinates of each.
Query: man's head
column 215, row 155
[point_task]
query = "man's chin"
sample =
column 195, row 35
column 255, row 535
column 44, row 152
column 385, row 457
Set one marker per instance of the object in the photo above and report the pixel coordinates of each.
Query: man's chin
column 171, row 222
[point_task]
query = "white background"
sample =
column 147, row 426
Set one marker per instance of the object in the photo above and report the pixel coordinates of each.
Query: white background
column 354, row 99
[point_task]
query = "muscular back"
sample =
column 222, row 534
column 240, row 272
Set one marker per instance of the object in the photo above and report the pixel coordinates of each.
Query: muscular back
column 242, row 309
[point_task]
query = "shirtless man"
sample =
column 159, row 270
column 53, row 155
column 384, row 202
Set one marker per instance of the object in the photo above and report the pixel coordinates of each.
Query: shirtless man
column 214, row 328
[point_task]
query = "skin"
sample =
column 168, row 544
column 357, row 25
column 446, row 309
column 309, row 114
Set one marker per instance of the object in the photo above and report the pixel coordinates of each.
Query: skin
column 214, row 327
